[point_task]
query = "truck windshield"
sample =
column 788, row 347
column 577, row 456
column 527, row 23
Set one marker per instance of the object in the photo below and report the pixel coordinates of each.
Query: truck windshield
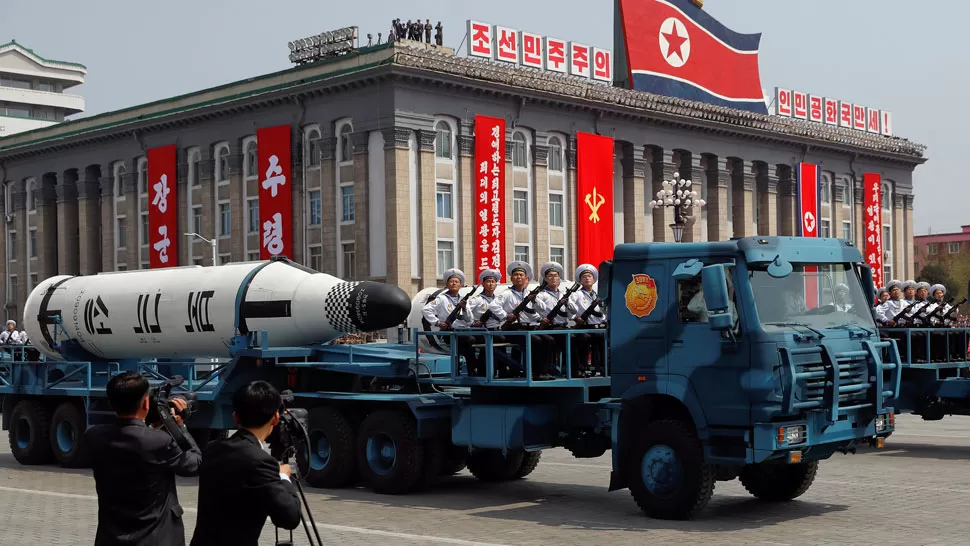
column 824, row 296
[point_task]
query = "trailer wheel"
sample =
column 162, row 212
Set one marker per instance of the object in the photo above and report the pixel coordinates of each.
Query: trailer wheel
column 489, row 465
column 332, row 459
column 454, row 460
column 67, row 435
column 29, row 433
column 389, row 454
column 667, row 473
column 778, row 482
column 529, row 463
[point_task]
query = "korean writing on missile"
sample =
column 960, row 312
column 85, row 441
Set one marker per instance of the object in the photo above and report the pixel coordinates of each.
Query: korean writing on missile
column 162, row 207
column 198, row 311
column 873, row 225
column 146, row 314
column 275, row 191
column 489, row 189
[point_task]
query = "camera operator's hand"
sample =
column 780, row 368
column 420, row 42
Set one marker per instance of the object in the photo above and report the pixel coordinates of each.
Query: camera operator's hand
column 286, row 470
column 180, row 405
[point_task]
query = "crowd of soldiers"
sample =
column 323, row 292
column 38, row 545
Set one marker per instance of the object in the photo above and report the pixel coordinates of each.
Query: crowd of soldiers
column 549, row 306
column 912, row 304
column 413, row 30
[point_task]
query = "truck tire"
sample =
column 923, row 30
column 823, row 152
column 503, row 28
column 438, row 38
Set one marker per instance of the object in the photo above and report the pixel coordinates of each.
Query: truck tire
column 666, row 471
column 333, row 463
column 67, row 435
column 778, row 482
column 435, row 452
column 489, row 465
column 390, row 457
column 454, row 460
column 30, row 433
column 529, row 463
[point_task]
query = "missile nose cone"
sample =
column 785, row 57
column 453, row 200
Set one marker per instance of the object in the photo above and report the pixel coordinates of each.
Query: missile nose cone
column 367, row 306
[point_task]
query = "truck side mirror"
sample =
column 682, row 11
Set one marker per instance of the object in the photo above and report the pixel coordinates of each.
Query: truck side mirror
column 716, row 297
column 605, row 271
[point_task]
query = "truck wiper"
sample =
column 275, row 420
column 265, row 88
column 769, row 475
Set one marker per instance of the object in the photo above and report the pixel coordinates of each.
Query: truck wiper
column 803, row 325
column 851, row 325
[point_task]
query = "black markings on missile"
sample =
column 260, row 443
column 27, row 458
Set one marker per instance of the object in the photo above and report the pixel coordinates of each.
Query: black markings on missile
column 266, row 309
column 144, row 325
column 198, row 309
column 96, row 310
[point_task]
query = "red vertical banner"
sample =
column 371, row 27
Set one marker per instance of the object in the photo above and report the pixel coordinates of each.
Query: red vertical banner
column 489, row 193
column 163, row 233
column 275, row 192
column 872, row 183
column 808, row 186
column 594, row 198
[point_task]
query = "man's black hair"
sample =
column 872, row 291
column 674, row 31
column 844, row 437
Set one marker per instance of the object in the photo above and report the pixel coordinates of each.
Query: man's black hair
column 256, row 403
column 125, row 392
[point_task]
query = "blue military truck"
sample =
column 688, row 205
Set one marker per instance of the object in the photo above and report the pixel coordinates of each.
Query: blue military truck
column 716, row 369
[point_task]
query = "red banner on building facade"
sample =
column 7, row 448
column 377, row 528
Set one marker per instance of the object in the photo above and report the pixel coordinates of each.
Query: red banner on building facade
column 275, row 192
column 163, row 232
column 594, row 198
column 872, row 183
column 808, row 185
column 489, row 191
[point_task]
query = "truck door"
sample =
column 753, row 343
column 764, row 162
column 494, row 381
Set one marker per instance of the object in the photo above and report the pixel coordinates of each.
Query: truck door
column 712, row 364
column 638, row 345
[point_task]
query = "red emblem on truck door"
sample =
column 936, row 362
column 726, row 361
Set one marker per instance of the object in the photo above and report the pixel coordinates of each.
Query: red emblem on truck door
column 641, row 295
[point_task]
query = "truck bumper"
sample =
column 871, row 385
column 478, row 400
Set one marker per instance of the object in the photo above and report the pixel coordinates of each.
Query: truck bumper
column 815, row 438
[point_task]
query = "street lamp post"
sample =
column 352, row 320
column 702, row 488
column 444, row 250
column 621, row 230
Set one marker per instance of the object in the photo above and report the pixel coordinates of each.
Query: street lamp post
column 212, row 243
column 677, row 194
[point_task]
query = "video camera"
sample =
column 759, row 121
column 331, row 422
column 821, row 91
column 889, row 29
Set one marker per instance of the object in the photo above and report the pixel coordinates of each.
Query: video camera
column 160, row 403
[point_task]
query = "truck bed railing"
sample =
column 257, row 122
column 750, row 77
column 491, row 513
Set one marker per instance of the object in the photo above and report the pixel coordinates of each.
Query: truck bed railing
column 931, row 347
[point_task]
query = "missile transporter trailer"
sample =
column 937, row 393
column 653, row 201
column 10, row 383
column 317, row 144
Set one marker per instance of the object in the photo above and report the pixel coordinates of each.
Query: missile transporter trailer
column 709, row 376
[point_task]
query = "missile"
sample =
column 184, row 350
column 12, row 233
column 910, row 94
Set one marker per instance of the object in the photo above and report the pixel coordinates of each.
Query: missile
column 195, row 311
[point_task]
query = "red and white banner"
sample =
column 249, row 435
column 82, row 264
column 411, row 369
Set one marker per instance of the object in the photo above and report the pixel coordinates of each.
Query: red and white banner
column 808, row 185
column 163, row 230
column 275, row 192
column 594, row 198
column 872, row 183
column 489, row 191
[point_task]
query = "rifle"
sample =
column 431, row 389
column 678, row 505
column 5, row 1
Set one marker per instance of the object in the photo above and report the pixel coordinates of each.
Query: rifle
column 904, row 311
column 932, row 314
column 591, row 310
column 952, row 310
column 557, row 310
column 522, row 306
column 459, row 307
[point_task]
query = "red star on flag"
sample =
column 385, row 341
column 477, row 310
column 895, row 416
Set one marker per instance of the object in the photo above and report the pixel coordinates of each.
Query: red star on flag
column 676, row 43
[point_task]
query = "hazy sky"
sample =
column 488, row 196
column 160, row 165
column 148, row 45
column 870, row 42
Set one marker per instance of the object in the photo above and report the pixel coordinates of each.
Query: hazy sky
column 897, row 55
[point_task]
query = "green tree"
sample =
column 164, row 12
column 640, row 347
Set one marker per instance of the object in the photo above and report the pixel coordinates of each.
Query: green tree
column 936, row 274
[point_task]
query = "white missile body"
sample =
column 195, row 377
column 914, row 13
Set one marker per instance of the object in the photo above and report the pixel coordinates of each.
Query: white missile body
column 195, row 311
column 415, row 318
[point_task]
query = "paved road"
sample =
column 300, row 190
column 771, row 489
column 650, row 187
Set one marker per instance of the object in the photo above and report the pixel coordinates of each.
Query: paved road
column 911, row 493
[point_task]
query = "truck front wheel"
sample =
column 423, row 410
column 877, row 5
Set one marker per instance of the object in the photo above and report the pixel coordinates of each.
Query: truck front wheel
column 666, row 471
column 778, row 482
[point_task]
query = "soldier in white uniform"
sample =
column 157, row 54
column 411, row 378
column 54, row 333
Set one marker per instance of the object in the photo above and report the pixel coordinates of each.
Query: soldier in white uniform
column 546, row 302
column 528, row 319
column 909, row 292
column 886, row 311
column 922, row 291
column 11, row 336
column 437, row 311
column 585, row 345
column 487, row 312
column 842, row 299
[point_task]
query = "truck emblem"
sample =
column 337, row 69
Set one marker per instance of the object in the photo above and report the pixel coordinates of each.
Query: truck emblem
column 641, row 295
column 594, row 201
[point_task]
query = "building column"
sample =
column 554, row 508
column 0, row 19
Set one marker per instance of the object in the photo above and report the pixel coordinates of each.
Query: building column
column 361, row 141
column 718, row 180
column 540, row 202
column 68, row 229
column 788, row 201
column 183, row 216
column 129, row 185
column 106, row 214
column 466, row 182
column 330, row 204
column 298, row 203
column 397, row 186
column 743, row 203
column 838, row 198
column 89, row 221
column 860, row 213
column 571, row 192
column 908, row 236
column 768, row 200
column 47, row 243
column 662, row 167
column 899, row 239
column 426, row 202
column 634, row 200
column 19, row 291
column 7, row 226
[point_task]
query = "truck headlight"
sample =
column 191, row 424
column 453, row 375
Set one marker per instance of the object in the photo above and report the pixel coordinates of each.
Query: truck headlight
column 884, row 422
column 792, row 435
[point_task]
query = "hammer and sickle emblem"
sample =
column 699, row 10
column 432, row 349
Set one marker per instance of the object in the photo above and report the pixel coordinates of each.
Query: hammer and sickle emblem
column 594, row 201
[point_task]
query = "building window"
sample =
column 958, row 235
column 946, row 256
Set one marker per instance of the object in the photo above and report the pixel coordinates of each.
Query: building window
column 887, row 274
column 350, row 259
column 225, row 224
column 954, row 248
column 442, row 141
column 197, row 219
column 12, row 286
column 251, row 158
column 522, row 253
column 931, row 249
column 316, row 208
column 32, row 243
column 316, row 258
column 444, row 201
column 313, row 148
column 887, row 239
column 558, row 254
column 31, row 197
column 196, row 261
column 195, row 161
column 555, row 210
column 45, row 87
column 253, row 256
column 347, row 203
column 223, row 163
column 253, row 204
column 847, row 231
column 555, row 155
column 346, row 144
column 144, row 229
column 224, row 259
column 520, row 207
column 826, row 191
column 33, row 281
column 825, row 228
column 518, row 151
column 121, row 230
column 143, row 177
column 446, row 256
column 12, row 248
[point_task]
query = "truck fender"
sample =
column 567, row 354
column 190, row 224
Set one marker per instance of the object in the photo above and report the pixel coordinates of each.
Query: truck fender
column 678, row 388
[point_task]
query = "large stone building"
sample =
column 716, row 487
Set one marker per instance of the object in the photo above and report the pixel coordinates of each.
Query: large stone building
column 382, row 164
column 33, row 89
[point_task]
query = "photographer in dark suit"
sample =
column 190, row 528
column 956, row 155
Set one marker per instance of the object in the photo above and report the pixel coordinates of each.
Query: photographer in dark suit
column 134, row 470
column 240, row 484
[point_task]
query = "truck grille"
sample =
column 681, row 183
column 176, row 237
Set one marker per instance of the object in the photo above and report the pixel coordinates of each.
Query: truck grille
column 811, row 381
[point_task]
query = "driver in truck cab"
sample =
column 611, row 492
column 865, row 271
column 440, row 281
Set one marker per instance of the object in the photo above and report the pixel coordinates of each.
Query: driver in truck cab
column 698, row 306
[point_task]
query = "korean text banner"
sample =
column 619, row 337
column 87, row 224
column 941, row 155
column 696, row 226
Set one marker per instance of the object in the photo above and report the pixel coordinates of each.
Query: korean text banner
column 808, row 178
column 594, row 198
column 275, row 192
column 163, row 230
column 872, row 183
column 489, row 193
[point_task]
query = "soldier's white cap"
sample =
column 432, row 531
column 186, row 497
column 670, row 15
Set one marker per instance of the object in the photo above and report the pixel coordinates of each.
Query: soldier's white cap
column 520, row 266
column 881, row 291
column 11, row 321
column 936, row 287
column 455, row 273
column 587, row 268
column 551, row 266
column 893, row 283
column 489, row 273
column 923, row 285
column 841, row 287
column 908, row 284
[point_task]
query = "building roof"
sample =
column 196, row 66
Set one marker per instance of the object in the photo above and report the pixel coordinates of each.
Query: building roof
column 441, row 65
column 12, row 44
column 962, row 235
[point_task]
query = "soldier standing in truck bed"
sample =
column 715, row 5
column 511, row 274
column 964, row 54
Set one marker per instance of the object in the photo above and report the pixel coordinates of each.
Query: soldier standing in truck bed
column 588, row 349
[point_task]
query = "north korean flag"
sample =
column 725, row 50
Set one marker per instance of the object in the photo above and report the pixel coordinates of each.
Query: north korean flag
column 808, row 198
column 674, row 48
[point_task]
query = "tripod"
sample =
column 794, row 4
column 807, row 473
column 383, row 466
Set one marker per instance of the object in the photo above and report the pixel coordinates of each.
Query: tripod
column 295, row 478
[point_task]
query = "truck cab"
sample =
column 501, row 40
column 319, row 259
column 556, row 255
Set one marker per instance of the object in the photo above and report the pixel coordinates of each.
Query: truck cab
column 753, row 358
